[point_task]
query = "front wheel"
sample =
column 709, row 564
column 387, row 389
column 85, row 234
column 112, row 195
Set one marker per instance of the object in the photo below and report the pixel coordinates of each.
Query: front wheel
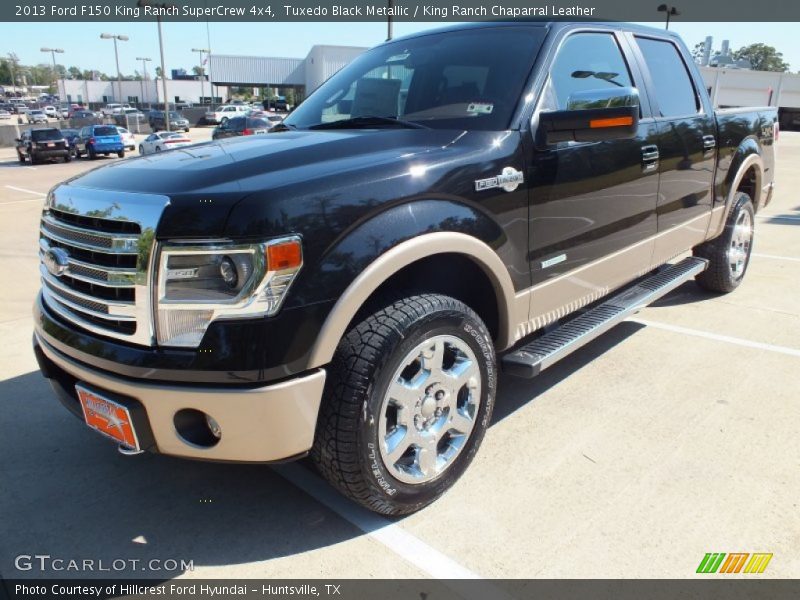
column 729, row 254
column 141, row 149
column 408, row 398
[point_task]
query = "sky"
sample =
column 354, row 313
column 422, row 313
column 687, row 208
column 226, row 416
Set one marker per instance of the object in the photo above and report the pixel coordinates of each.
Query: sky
column 84, row 48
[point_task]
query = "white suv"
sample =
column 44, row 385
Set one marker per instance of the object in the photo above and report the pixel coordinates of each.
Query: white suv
column 225, row 112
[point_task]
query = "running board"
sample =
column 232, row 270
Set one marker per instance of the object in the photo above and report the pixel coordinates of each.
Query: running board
column 529, row 360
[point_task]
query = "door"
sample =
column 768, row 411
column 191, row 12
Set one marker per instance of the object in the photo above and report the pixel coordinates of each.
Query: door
column 592, row 215
column 686, row 145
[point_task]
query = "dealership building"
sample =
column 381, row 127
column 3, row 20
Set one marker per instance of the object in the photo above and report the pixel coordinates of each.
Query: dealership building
column 225, row 72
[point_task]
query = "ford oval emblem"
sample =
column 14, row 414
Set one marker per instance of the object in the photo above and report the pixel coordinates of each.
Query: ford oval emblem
column 56, row 260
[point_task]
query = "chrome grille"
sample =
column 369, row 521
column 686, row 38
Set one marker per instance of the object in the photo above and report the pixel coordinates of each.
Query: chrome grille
column 96, row 252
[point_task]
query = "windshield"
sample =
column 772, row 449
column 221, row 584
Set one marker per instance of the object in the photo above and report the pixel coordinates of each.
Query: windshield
column 469, row 79
column 39, row 135
column 174, row 115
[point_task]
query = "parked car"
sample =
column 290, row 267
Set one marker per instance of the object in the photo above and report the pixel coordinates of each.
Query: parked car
column 127, row 138
column 163, row 140
column 51, row 111
column 20, row 108
column 225, row 112
column 71, row 135
column 37, row 116
column 63, row 111
column 99, row 139
column 109, row 109
column 82, row 114
column 241, row 126
column 352, row 285
column 129, row 116
column 4, row 115
column 176, row 121
column 37, row 145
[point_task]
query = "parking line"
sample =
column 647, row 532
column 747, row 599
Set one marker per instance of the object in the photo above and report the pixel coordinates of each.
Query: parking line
column 19, row 189
column 776, row 257
column 21, row 201
column 717, row 337
column 396, row 539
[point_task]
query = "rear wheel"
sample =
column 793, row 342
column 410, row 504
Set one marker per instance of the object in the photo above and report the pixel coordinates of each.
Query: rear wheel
column 121, row 153
column 91, row 153
column 158, row 148
column 408, row 399
column 729, row 253
column 20, row 157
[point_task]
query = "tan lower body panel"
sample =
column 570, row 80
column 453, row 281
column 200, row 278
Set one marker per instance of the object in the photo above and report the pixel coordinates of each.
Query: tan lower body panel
column 553, row 299
column 258, row 425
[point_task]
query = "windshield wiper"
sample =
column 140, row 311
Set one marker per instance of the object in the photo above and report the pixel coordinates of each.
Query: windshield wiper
column 368, row 121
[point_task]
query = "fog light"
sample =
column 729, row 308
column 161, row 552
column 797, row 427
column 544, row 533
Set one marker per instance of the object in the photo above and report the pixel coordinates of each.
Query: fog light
column 213, row 426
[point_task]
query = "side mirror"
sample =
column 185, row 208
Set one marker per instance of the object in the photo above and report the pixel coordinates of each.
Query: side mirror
column 17, row 139
column 593, row 116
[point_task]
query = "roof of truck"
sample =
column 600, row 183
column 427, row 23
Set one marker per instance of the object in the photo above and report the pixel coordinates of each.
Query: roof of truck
column 552, row 25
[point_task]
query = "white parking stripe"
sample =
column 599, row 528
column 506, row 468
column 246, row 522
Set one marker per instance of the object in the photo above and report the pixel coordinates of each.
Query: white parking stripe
column 21, row 201
column 412, row 549
column 776, row 257
column 18, row 189
column 778, row 217
column 717, row 337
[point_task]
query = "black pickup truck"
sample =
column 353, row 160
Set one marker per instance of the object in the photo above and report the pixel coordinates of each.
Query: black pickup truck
column 450, row 204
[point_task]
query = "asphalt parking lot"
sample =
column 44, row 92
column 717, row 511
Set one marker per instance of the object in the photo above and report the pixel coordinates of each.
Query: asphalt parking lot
column 674, row 435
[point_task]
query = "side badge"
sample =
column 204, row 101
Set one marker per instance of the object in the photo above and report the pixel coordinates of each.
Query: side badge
column 509, row 180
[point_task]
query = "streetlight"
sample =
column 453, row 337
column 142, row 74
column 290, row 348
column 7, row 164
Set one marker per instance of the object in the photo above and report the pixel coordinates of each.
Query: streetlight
column 144, row 73
column 670, row 10
column 121, row 38
column 202, row 73
column 164, row 5
column 53, row 52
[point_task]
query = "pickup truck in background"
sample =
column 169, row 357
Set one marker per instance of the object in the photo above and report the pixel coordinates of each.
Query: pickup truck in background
column 350, row 284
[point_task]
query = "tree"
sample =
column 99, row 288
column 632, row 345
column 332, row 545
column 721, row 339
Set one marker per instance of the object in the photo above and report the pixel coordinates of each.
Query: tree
column 159, row 72
column 5, row 72
column 74, row 73
column 199, row 71
column 762, row 57
column 698, row 52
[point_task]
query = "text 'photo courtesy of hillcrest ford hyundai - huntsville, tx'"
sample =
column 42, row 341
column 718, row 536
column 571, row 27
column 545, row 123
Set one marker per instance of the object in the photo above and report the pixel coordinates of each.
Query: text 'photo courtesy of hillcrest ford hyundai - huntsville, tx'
column 350, row 285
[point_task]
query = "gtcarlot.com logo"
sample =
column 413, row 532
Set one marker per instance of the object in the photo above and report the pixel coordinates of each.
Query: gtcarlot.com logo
column 47, row 563
column 734, row 562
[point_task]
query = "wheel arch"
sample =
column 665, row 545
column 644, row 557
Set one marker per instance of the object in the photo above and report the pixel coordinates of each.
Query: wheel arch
column 746, row 174
column 398, row 262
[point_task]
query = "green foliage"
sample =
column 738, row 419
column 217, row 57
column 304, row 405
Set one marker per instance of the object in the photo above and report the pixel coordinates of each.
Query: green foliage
column 762, row 57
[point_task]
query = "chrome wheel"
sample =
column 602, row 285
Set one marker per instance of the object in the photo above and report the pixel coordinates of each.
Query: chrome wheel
column 429, row 410
column 739, row 250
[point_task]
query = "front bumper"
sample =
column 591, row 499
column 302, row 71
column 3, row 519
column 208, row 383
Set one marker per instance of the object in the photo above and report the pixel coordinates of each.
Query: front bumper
column 261, row 424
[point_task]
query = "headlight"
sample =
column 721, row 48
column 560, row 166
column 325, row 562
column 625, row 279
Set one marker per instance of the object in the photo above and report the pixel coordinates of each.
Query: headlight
column 200, row 283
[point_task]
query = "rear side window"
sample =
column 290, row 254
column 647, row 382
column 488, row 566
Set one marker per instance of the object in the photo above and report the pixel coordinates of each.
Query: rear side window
column 674, row 90
column 586, row 61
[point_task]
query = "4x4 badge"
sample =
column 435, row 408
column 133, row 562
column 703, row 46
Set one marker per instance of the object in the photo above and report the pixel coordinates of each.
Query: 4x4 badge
column 509, row 180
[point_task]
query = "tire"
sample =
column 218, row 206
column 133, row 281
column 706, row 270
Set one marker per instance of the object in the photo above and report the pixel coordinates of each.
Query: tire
column 91, row 153
column 21, row 158
column 67, row 158
column 35, row 160
column 158, row 149
column 223, row 121
column 121, row 154
column 141, row 150
column 360, row 415
column 729, row 253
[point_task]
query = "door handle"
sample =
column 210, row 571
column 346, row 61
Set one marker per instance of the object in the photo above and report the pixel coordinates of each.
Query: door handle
column 709, row 142
column 649, row 158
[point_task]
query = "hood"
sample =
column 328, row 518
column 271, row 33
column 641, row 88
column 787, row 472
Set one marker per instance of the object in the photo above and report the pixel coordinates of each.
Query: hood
column 206, row 181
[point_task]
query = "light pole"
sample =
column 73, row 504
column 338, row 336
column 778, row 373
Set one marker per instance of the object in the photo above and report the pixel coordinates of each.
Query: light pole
column 670, row 10
column 389, row 32
column 202, row 72
column 121, row 38
column 163, row 5
column 144, row 73
column 13, row 59
column 53, row 52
